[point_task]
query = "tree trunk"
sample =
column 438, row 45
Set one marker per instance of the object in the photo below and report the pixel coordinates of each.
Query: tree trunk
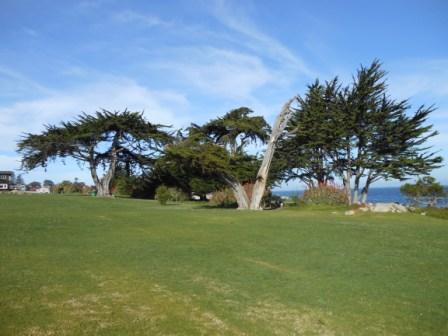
column 348, row 178
column 356, row 189
column 347, row 188
column 365, row 189
column 238, row 191
column 263, row 172
column 364, row 194
column 103, row 184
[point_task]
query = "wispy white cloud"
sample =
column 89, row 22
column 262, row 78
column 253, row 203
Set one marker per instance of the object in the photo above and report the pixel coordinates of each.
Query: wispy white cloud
column 235, row 19
column 221, row 72
column 9, row 162
column 30, row 32
column 428, row 77
column 14, row 84
column 167, row 107
column 149, row 20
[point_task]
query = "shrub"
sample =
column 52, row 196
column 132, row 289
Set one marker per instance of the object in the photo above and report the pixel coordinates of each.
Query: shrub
column 163, row 194
column 441, row 213
column 328, row 194
column 224, row 199
column 177, row 195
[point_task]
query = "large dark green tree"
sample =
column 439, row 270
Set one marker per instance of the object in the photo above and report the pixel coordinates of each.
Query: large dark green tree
column 101, row 141
column 387, row 140
column 217, row 150
column 357, row 133
column 307, row 149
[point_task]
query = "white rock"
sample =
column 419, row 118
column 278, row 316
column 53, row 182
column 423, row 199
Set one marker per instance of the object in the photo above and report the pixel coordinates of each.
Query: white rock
column 349, row 213
column 388, row 207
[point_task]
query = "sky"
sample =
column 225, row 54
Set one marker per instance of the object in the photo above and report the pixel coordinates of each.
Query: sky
column 191, row 61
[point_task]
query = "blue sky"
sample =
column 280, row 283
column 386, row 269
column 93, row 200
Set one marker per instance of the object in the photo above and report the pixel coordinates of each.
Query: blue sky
column 183, row 61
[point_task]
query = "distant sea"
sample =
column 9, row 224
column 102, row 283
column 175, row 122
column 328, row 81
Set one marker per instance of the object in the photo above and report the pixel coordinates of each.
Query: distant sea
column 376, row 195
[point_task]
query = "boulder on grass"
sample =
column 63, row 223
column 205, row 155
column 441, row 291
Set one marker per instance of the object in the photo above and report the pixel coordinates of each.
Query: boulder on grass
column 388, row 207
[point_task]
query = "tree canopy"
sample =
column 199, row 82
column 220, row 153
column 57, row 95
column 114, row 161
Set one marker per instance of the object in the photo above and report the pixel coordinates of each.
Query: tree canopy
column 356, row 132
column 218, row 150
column 101, row 140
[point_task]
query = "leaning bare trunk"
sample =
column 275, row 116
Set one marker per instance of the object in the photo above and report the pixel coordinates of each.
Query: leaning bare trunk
column 238, row 192
column 263, row 172
column 262, row 176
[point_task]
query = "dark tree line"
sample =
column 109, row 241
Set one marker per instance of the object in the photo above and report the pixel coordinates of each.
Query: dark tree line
column 356, row 134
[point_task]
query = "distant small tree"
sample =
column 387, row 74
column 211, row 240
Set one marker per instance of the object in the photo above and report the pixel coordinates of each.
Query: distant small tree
column 33, row 185
column 49, row 184
column 425, row 188
column 20, row 180
column 64, row 187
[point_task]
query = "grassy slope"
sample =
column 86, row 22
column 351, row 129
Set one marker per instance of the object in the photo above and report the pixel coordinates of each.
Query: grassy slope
column 79, row 265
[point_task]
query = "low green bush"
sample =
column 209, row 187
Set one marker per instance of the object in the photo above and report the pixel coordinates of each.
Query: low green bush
column 163, row 194
column 441, row 213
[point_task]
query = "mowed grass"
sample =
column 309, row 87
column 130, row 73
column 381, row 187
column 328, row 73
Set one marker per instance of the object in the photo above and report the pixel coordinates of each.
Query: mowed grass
column 87, row 266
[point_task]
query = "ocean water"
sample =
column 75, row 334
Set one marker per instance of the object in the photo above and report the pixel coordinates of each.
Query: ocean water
column 376, row 195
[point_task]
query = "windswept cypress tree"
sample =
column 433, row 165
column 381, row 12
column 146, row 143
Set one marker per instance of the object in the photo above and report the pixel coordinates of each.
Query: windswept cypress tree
column 101, row 141
column 217, row 150
column 358, row 134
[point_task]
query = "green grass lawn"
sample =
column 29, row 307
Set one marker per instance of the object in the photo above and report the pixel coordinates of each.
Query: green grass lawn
column 85, row 266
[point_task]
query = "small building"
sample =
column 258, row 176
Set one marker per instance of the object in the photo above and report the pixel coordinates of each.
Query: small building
column 6, row 180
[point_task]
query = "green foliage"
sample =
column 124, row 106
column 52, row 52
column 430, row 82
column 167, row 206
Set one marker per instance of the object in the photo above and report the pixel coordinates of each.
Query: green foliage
column 124, row 185
column 441, row 213
column 68, row 187
column 177, row 195
column 425, row 188
column 103, row 139
column 204, row 186
column 356, row 131
column 207, row 154
column 328, row 194
column 163, row 194
column 235, row 130
column 313, row 135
